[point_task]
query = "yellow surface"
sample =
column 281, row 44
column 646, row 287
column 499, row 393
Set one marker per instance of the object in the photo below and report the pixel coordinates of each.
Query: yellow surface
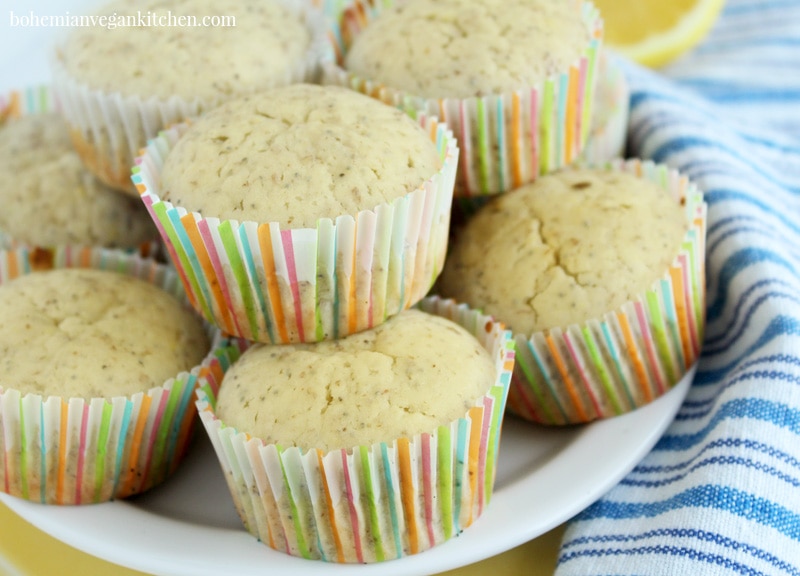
column 654, row 32
column 34, row 553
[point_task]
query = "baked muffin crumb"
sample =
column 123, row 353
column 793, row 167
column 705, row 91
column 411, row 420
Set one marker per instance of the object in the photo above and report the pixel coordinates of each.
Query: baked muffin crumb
column 407, row 376
column 93, row 334
column 49, row 198
column 209, row 63
column 466, row 48
column 568, row 248
column 296, row 154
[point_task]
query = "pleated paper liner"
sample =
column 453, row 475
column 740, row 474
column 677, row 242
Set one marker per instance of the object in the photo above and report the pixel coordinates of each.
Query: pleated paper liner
column 371, row 503
column 75, row 451
column 506, row 140
column 611, row 365
column 259, row 282
column 109, row 129
column 41, row 100
column 609, row 128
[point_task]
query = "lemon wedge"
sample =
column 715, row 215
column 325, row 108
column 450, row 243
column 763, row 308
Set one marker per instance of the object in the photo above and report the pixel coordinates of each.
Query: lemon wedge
column 654, row 32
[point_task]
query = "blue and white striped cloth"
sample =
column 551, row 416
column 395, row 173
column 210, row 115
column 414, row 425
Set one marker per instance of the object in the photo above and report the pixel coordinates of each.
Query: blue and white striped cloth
column 720, row 492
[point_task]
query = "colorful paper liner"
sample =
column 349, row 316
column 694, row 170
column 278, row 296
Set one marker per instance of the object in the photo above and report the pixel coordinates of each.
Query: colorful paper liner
column 370, row 503
column 506, row 140
column 609, row 130
column 259, row 282
column 59, row 450
column 109, row 129
column 614, row 364
column 40, row 100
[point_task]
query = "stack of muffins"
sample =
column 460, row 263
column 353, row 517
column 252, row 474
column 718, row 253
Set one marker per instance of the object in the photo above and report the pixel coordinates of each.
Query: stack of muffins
column 301, row 170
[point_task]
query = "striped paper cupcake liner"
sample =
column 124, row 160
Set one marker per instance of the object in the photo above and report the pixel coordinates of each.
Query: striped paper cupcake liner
column 370, row 503
column 59, row 450
column 33, row 100
column 609, row 128
column 109, row 129
column 259, row 282
column 41, row 100
column 506, row 140
column 614, row 364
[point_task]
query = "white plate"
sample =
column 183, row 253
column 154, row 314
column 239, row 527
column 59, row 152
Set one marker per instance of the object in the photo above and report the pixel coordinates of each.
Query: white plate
column 188, row 526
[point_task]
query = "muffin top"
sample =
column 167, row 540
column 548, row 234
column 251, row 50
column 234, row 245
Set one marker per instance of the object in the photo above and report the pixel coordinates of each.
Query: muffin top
column 50, row 199
column 407, row 376
column 254, row 49
column 296, row 154
column 91, row 333
column 466, row 48
column 565, row 249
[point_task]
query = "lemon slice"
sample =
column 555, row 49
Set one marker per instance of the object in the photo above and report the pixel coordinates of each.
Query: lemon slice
column 654, row 32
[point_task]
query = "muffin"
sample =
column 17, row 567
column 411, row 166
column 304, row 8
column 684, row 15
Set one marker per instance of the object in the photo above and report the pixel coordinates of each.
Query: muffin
column 609, row 128
column 369, row 448
column 120, row 86
column 95, row 394
column 514, row 80
column 50, row 199
column 303, row 213
column 599, row 274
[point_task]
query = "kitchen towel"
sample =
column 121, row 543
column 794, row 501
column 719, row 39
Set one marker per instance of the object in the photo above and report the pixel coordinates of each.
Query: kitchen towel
column 720, row 492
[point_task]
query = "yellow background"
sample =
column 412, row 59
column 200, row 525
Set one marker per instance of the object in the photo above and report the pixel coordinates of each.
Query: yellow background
column 34, row 553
